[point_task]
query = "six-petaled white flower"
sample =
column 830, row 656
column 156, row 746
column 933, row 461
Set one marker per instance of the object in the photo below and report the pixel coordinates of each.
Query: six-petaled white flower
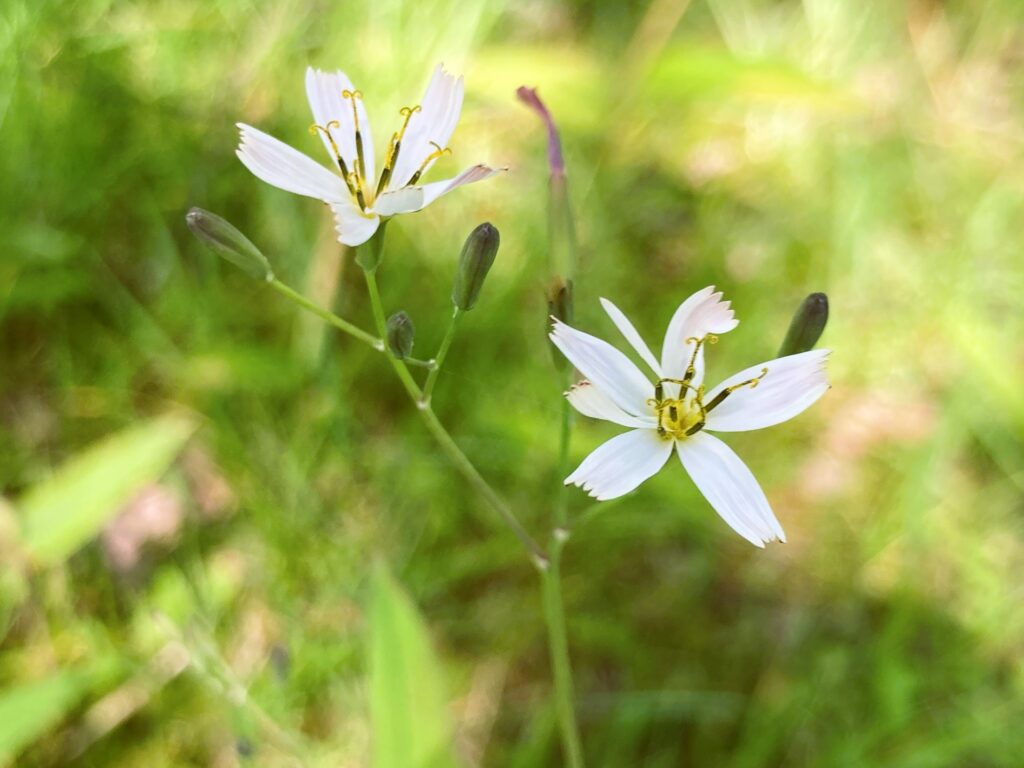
column 676, row 411
column 356, row 195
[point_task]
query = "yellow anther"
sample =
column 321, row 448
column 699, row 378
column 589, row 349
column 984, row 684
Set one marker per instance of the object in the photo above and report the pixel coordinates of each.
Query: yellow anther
column 326, row 130
column 395, row 145
column 756, row 380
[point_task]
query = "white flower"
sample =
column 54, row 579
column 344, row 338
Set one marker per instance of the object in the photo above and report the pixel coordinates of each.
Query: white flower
column 675, row 410
column 356, row 195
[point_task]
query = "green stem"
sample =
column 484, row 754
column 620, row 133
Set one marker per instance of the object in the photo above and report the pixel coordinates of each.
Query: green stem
column 442, row 353
column 554, row 608
column 562, row 499
column 326, row 316
column 445, row 440
column 558, row 648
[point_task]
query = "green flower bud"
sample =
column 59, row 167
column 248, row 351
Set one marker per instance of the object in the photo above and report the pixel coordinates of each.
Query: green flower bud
column 475, row 262
column 560, row 300
column 225, row 240
column 807, row 326
column 400, row 333
column 560, row 306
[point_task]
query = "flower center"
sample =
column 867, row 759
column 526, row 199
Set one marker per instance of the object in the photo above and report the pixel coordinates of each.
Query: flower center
column 685, row 415
column 678, row 416
column 355, row 178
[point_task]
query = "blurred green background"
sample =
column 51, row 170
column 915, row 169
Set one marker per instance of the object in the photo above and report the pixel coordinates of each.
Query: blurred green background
column 261, row 465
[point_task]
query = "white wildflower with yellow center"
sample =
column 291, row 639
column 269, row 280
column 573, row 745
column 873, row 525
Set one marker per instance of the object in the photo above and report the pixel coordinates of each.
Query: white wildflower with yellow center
column 357, row 196
column 675, row 410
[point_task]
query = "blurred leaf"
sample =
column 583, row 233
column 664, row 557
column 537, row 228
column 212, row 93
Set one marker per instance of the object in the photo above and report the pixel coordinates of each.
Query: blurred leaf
column 29, row 710
column 67, row 510
column 408, row 705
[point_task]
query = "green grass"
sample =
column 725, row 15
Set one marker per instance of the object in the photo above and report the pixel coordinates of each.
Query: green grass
column 868, row 150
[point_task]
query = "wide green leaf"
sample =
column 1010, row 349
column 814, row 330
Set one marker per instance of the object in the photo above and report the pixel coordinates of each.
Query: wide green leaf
column 408, row 703
column 68, row 509
column 29, row 710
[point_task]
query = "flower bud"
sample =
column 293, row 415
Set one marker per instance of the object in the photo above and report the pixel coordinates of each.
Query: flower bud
column 807, row 326
column 475, row 262
column 400, row 333
column 225, row 240
column 560, row 306
column 560, row 300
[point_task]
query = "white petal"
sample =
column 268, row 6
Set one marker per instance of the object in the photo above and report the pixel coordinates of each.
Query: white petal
column 354, row 227
column 278, row 164
column 590, row 401
column 433, row 124
column 416, row 198
column 324, row 89
column 621, row 464
column 791, row 385
column 730, row 487
column 626, row 329
column 399, row 201
column 703, row 313
column 610, row 370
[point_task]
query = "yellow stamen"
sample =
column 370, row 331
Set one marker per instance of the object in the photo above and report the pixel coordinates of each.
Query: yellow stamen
column 394, row 147
column 752, row 383
column 360, row 160
column 682, row 416
column 326, row 130
column 438, row 152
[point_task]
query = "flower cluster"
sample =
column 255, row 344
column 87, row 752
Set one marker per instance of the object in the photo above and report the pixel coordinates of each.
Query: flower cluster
column 671, row 411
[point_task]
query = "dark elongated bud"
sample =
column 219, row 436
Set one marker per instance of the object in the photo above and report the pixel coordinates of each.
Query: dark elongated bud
column 225, row 240
column 400, row 333
column 807, row 326
column 560, row 306
column 560, row 300
column 475, row 262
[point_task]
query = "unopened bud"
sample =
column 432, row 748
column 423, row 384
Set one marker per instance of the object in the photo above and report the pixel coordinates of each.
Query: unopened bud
column 560, row 306
column 475, row 262
column 400, row 333
column 807, row 326
column 560, row 300
column 225, row 240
